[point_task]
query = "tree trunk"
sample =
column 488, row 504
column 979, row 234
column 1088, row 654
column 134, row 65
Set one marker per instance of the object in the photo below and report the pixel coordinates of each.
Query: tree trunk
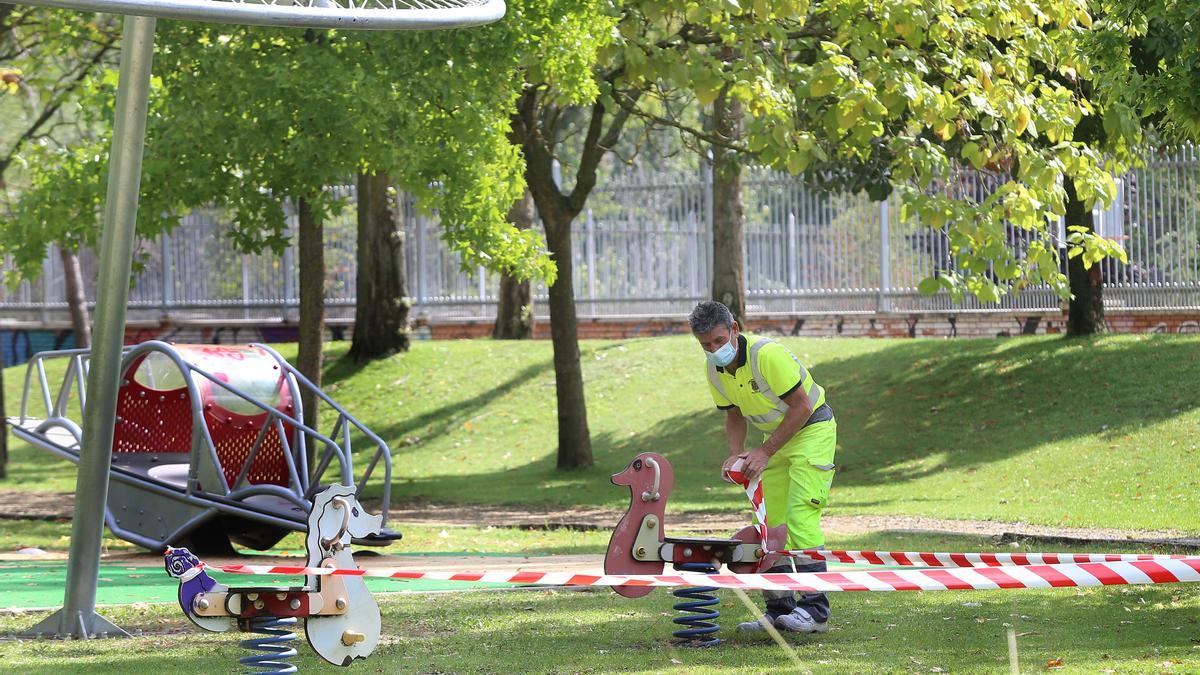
column 76, row 300
column 514, row 312
column 574, row 441
column 729, row 267
column 1085, row 315
column 381, row 308
column 3, row 422
column 311, row 259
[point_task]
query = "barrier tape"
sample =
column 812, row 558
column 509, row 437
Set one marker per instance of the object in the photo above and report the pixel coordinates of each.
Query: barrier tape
column 1085, row 574
column 924, row 559
column 754, row 492
column 949, row 571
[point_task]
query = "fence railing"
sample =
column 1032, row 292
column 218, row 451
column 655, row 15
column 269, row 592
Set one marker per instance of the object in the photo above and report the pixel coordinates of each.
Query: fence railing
column 644, row 247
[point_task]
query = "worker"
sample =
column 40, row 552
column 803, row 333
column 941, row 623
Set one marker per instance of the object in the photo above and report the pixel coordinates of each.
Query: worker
column 758, row 380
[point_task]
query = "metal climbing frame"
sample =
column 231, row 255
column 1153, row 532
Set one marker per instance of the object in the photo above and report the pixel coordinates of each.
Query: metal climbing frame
column 208, row 439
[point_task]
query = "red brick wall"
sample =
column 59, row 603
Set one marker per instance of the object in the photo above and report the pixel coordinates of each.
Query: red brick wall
column 879, row 325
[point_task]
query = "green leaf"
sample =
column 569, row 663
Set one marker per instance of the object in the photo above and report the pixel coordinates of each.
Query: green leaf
column 929, row 286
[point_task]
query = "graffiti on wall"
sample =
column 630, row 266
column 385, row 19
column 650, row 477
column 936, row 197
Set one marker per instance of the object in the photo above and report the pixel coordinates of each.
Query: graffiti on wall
column 1185, row 327
column 19, row 345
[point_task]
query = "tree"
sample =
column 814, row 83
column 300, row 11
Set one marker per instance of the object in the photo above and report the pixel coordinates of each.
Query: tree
column 514, row 311
column 403, row 107
column 47, row 57
column 728, row 219
column 3, row 417
column 381, row 308
column 1144, row 83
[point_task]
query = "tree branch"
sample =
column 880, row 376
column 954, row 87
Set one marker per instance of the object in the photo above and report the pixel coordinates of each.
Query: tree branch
column 32, row 131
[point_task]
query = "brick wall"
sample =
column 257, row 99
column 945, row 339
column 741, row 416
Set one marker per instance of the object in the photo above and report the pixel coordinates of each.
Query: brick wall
column 877, row 325
column 21, row 341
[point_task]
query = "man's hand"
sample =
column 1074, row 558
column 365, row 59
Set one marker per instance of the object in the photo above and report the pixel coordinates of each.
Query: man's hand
column 728, row 466
column 755, row 463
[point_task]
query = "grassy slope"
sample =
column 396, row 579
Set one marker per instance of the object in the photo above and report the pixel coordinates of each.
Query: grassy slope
column 1100, row 432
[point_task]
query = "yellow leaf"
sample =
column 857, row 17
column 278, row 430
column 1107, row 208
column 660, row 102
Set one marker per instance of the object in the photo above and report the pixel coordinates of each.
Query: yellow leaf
column 985, row 80
column 1022, row 121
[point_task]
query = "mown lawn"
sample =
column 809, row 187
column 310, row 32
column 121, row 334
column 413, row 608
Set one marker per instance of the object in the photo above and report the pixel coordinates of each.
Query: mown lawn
column 1101, row 432
column 1117, row 629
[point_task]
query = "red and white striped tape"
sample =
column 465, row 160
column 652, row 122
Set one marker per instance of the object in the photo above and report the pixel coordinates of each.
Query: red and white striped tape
column 1115, row 573
column 754, row 492
column 924, row 559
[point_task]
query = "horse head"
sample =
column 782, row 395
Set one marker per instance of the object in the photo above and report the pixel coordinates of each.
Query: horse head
column 650, row 479
column 179, row 561
column 335, row 519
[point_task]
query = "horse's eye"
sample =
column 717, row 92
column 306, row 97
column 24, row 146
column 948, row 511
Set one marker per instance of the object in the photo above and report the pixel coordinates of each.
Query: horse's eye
column 637, row 465
column 354, row 511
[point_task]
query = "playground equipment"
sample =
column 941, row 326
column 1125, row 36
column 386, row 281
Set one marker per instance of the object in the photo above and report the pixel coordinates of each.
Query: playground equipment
column 341, row 618
column 208, row 444
column 77, row 617
column 639, row 545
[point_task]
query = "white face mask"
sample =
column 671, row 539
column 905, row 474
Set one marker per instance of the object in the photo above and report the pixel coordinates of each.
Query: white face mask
column 725, row 355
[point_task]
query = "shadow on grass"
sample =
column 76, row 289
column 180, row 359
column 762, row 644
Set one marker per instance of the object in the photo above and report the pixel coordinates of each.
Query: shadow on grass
column 893, row 632
column 909, row 411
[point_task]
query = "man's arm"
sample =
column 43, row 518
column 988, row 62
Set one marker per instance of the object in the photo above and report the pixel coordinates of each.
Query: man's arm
column 798, row 412
column 735, row 436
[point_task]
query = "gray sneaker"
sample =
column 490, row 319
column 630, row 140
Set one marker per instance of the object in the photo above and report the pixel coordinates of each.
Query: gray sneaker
column 757, row 626
column 800, row 621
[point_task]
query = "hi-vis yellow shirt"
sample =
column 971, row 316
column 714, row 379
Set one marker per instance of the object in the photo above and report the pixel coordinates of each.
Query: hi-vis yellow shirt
column 766, row 373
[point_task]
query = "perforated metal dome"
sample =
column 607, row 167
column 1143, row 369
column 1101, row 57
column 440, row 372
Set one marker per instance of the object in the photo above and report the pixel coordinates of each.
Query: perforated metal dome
column 348, row 14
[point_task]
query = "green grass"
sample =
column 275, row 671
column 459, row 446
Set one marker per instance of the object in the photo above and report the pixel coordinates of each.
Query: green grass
column 1119, row 629
column 56, row 536
column 1101, row 432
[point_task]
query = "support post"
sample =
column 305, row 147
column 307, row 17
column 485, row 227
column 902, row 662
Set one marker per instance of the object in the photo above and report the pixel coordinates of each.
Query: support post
column 885, row 259
column 78, row 618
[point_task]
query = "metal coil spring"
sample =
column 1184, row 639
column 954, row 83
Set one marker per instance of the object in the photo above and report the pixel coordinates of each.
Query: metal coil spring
column 275, row 645
column 697, row 618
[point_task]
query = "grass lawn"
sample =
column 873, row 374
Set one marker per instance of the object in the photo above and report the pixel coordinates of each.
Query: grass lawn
column 1119, row 629
column 1100, row 432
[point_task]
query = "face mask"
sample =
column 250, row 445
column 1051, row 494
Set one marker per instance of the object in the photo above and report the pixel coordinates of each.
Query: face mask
column 725, row 355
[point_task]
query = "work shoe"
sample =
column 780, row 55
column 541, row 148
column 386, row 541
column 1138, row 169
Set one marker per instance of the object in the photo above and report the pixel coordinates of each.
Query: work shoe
column 800, row 621
column 756, row 626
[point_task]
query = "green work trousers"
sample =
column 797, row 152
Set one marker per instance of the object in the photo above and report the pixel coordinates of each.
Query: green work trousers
column 796, row 484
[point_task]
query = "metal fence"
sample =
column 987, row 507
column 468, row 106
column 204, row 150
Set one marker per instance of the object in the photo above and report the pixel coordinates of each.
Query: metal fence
column 644, row 248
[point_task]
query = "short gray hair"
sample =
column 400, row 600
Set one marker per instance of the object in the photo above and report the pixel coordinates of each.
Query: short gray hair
column 708, row 315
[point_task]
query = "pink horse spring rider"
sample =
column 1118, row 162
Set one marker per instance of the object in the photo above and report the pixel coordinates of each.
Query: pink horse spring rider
column 639, row 545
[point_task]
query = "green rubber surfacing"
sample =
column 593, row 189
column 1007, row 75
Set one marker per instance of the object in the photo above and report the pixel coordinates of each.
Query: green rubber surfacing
column 37, row 585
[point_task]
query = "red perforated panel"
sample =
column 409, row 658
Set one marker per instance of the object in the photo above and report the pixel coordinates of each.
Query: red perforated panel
column 150, row 421
column 234, row 435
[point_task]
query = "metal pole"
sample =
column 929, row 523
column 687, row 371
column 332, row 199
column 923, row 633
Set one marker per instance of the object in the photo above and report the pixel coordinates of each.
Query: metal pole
column 885, row 262
column 78, row 616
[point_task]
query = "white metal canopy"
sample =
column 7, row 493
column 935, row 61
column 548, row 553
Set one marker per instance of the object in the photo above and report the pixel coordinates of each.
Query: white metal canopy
column 345, row 14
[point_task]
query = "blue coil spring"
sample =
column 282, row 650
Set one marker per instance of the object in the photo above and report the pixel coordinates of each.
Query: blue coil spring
column 275, row 646
column 698, row 618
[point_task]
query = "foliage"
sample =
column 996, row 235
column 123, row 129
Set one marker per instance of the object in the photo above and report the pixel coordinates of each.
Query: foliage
column 248, row 117
column 885, row 96
column 1151, row 53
